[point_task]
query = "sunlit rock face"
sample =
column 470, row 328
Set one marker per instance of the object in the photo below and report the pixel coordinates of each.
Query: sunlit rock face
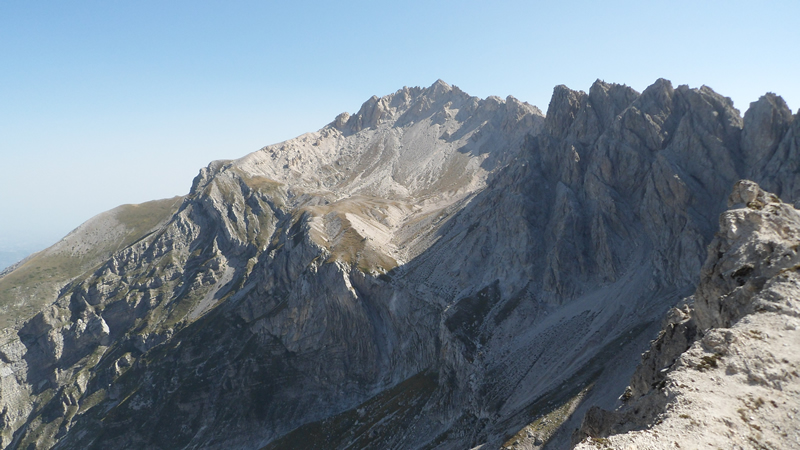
column 435, row 270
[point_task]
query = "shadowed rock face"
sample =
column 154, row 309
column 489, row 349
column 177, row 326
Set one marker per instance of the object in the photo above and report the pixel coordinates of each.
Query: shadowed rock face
column 729, row 351
column 435, row 270
column 771, row 142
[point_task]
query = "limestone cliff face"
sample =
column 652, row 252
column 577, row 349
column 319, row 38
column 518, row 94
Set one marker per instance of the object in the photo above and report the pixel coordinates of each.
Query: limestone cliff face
column 771, row 142
column 724, row 370
column 448, row 266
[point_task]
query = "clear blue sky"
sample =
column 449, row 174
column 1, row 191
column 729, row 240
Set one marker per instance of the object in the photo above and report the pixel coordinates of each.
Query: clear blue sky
column 111, row 102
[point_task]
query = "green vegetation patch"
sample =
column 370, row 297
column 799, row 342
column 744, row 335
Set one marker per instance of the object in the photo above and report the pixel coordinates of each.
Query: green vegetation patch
column 34, row 285
column 377, row 423
column 265, row 185
column 544, row 427
column 142, row 218
column 708, row 362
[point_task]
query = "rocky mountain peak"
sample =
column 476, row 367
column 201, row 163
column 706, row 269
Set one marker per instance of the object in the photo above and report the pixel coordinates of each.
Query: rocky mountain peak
column 659, row 95
column 341, row 120
column 608, row 100
column 389, row 108
column 564, row 106
column 410, row 105
column 398, row 146
column 765, row 123
column 438, row 89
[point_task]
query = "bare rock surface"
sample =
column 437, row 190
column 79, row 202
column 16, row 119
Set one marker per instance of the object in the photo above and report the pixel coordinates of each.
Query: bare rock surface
column 433, row 271
column 725, row 371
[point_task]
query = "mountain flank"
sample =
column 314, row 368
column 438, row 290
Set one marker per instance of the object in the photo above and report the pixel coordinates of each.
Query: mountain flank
column 30, row 284
column 433, row 271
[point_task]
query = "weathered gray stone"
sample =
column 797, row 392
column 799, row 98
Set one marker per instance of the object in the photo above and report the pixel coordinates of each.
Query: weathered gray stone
column 486, row 261
column 747, row 293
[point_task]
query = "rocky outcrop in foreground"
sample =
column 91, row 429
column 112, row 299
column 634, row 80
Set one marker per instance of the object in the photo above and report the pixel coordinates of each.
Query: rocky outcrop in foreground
column 725, row 370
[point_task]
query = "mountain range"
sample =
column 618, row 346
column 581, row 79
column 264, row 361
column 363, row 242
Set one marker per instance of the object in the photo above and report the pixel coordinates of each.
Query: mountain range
column 434, row 271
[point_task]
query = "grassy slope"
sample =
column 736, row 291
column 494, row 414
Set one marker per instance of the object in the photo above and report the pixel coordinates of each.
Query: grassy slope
column 33, row 284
